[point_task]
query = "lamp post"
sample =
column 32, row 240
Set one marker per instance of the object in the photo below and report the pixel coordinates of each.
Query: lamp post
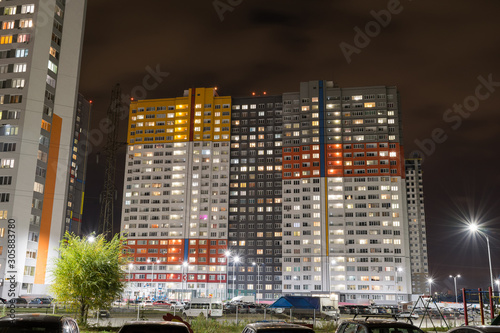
column 455, row 281
column 258, row 278
column 429, row 281
column 153, row 274
column 228, row 256
column 399, row 269
column 473, row 227
column 130, row 266
column 235, row 261
column 185, row 264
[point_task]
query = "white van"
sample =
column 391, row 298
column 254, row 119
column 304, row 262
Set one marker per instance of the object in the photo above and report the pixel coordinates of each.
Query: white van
column 209, row 307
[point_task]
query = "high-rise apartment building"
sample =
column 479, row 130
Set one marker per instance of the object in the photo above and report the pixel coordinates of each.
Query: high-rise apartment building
column 416, row 225
column 344, row 216
column 40, row 48
column 312, row 200
column 255, row 197
column 78, row 167
column 176, row 194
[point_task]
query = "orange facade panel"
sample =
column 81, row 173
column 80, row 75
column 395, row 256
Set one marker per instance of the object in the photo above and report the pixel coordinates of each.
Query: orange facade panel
column 48, row 200
column 367, row 159
column 301, row 162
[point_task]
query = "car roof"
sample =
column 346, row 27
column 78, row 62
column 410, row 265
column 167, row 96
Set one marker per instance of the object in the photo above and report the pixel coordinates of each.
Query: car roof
column 154, row 322
column 484, row 328
column 276, row 325
column 35, row 317
column 380, row 323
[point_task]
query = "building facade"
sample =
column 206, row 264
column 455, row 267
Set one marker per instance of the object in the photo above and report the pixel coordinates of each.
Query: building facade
column 313, row 199
column 255, row 197
column 416, row 222
column 78, row 168
column 344, row 216
column 176, row 195
column 40, row 50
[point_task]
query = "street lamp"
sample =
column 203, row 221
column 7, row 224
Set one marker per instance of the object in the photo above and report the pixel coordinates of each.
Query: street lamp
column 185, row 264
column 429, row 281
column 130, row 266
column 455, row 280
column 235, row 261
column 473, row 227
column 258, row 277
column 228, row 256
column 153, row 274
column 399, row 269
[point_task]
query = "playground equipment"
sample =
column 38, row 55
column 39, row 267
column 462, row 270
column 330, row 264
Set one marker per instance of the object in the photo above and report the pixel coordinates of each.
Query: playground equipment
column 480, row 293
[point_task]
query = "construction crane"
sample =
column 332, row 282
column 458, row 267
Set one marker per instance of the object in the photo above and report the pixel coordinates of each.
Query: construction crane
column 108, row 194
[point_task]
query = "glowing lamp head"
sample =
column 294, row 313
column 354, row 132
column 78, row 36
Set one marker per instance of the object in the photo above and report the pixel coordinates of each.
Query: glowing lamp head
column 473, row 227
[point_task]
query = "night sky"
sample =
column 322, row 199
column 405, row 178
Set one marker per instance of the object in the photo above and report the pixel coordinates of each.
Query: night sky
column 442, row 55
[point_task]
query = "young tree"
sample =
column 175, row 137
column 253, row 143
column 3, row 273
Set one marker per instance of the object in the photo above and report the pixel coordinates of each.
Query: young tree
column 89, row 272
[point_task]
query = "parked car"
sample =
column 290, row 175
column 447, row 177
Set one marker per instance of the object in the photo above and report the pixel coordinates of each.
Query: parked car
column 120, row 302
column 19, row 302
column 176, row 306
column 154, row 327
column 38, row 323
column 242, row 308
column 407, row 314
column 476, row 329
column 276, row 328
column 376, row 326
column 276, row 310
column 104, row 314
column 162, row 304
column 145, row 304
column 39, row 302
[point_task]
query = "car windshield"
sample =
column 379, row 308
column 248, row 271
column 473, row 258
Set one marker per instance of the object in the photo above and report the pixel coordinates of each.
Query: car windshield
column 394, row 330
column 153, row 329
column 27, row 327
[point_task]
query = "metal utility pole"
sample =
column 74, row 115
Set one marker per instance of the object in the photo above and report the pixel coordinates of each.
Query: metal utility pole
column 108, row 193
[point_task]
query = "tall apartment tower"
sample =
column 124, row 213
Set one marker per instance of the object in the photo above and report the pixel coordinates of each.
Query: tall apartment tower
column 78, row 167
column 40, row 50
column 176, row 198
column 344, row 198
column 255, row 197
column 416, row 222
